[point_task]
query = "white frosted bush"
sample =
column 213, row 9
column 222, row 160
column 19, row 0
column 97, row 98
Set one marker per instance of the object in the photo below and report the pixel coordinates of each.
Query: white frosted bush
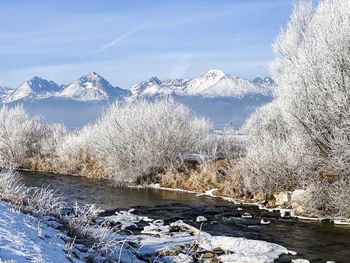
column 44, row 201
column 276, row 159
column 11, row 187
column 73, row 152
column 20, row 136
column 135, row 141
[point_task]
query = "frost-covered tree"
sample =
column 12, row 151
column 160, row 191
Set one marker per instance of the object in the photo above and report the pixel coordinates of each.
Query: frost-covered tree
column 312, row 69
column 304, row 133
column 135, row 141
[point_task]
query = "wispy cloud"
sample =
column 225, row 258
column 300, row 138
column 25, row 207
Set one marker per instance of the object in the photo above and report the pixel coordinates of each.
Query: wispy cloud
column 120, row 38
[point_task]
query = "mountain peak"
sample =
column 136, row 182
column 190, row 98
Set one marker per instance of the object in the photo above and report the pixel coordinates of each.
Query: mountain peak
column 92, row 76
column 92, row 87
column 215, row 72
column 35, row 88
column 35, row 78
column 155, row 80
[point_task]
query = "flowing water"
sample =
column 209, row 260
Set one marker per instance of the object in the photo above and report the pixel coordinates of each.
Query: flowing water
column 315, row 241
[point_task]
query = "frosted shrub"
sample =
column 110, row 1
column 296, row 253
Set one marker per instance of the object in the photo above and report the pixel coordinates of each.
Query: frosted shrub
column 20, row 136
column 137, row 141
column 276, row 159
column 27, row 142
column 339, row 195
column 328, row 198
column 44, row 201
column 11, row 187
column 74, row 153
column 46, row 156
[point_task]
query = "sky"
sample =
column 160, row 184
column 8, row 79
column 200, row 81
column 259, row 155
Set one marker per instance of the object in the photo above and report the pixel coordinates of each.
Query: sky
column 130, row 41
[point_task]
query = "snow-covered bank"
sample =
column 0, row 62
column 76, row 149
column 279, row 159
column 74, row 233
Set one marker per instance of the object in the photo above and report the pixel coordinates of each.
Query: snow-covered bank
column 25, row 238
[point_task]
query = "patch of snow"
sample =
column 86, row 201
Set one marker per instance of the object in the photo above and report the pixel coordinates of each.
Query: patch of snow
column 157, row 227
column 263, row 222
column 300, row 260
column 208, row 193
column 126, row 219
column 247, row 215
column 244, row 250
column 341, row 221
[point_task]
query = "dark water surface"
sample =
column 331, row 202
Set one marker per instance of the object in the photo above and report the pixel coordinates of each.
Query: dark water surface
column 317, row 242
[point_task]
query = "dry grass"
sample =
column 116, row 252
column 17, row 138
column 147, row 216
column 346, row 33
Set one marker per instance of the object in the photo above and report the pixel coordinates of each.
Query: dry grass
column 93, row 169
column 205, row 176
column 88, row 167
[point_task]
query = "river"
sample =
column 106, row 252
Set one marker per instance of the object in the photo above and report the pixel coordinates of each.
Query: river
column 315, row 241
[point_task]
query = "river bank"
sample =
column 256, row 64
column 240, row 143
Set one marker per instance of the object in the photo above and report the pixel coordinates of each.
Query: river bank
column 284, row 202
column 284, row 212
column 33, row 233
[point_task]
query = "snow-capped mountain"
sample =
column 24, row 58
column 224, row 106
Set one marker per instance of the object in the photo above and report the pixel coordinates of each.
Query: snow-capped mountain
column 35, row 88
column 92, row 87
column 213, row 84
column 219, row 96
column 216, row 83
column 216, row 95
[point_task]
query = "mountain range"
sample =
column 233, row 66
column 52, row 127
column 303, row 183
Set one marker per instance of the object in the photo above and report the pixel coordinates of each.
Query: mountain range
column 219, row 96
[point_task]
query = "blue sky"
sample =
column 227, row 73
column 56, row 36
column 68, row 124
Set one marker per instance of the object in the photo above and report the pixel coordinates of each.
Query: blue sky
column 130, row 41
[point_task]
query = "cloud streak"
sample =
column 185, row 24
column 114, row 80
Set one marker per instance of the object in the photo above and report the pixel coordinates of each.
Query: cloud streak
column 117, row 40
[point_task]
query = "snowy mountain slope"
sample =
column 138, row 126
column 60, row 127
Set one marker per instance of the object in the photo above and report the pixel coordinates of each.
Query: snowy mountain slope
column 4, row 92
column 35, row 88
column 267, row 84
column 214, row 84
column 156, row 87
column 92, row 87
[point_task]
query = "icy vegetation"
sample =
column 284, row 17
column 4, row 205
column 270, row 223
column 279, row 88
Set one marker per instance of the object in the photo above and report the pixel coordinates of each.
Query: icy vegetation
column 142, row 138
column 301, row 139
